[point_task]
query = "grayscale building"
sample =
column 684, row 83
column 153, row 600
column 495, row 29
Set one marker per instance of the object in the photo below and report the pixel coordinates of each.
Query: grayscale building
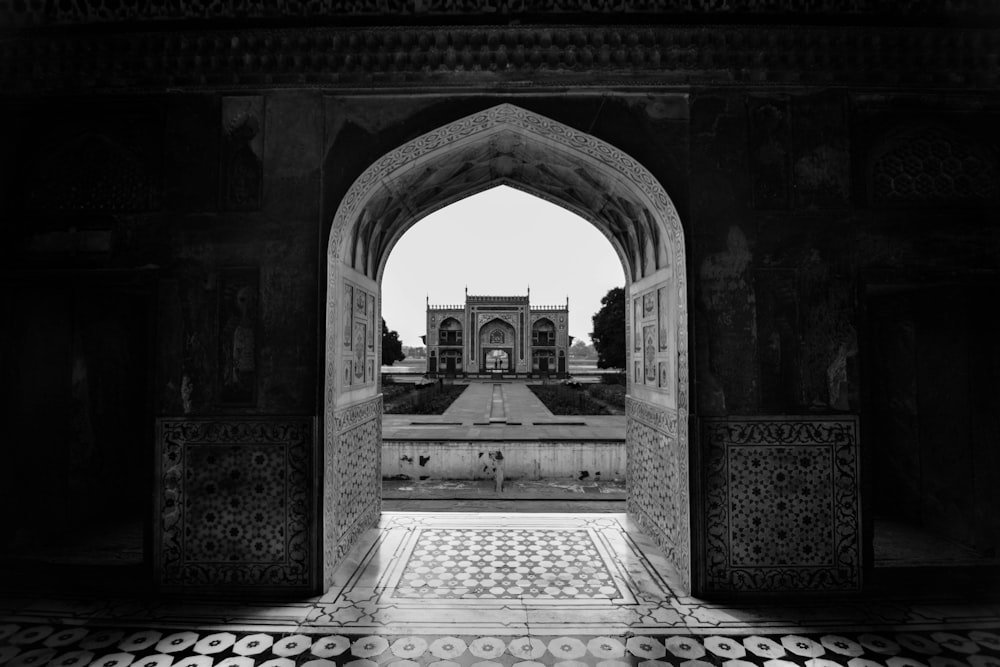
column 497, row 335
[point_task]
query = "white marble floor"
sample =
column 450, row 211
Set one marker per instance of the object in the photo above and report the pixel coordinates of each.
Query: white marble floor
column 503, row 573
column 500, row 589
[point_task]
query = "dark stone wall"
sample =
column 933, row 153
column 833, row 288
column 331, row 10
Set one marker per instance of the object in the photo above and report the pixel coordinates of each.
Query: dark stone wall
column 138, row 187
column 798, row 206
column 131, row 290
column 775, row 190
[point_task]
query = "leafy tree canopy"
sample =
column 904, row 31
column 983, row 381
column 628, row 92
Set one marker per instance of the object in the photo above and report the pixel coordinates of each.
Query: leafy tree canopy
column 609, row 330
column 392, row 347
column 581, row 349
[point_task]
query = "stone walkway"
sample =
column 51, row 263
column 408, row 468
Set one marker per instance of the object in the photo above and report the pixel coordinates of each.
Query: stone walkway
column 476, row 404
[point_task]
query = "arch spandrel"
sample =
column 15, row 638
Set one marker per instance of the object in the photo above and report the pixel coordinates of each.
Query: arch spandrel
column 508, row 145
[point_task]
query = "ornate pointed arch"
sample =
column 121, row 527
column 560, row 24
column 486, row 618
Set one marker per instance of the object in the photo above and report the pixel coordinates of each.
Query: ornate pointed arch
column 509, row 145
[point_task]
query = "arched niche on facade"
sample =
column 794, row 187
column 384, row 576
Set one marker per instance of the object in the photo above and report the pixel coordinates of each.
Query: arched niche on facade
column 543, row 332
column 508, row 145
column 497, row 345
column 450, row 332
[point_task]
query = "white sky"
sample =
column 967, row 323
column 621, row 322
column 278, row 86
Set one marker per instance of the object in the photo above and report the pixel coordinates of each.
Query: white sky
column 499, row 242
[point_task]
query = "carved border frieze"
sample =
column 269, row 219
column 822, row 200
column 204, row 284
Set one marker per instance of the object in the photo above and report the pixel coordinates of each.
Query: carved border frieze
column 358, row 414
column 585, row 55
column 660, row 418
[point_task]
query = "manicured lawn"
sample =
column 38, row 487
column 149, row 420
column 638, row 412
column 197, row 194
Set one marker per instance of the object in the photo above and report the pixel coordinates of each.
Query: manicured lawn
column 612, row 394
column 429, row 399
column 567, row 400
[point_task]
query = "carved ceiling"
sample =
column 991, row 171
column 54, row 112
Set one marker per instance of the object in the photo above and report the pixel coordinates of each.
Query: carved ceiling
column 509, row 157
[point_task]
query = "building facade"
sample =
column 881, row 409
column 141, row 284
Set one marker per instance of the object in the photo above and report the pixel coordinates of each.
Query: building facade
column 497, row 335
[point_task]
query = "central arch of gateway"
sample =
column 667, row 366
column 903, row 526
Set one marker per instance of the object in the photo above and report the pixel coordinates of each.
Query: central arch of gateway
column 507, row 145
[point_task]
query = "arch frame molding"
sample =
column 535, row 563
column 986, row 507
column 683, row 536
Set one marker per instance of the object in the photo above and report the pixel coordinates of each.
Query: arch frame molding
column 650, row 245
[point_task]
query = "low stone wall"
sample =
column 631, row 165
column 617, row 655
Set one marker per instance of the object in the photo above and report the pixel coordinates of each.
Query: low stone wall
column 546, row 459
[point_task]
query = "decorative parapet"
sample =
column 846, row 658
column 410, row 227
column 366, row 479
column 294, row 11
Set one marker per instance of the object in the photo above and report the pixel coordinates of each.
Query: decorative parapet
column 496, row 299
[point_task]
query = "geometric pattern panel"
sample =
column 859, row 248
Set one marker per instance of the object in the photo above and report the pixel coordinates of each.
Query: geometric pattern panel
column 785, row 504
column 234, row 494
column 657, row 481
column 782, row 504
column 360, row 469
column 506, row 564
column 235, row 503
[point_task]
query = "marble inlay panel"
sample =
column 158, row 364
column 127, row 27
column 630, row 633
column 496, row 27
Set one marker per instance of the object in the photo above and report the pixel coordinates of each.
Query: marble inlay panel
column 234, row 506
column 507, row 564
column 782, row 504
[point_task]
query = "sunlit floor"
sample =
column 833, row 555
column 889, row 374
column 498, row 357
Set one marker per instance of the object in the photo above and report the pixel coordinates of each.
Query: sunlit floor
column 503, row 574
column 484, row 589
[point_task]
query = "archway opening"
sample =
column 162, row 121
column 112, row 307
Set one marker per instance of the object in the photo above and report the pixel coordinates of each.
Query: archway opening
column 507, row 145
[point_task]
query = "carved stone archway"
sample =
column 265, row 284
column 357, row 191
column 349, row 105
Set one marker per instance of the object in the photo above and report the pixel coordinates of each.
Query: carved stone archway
column 508, row 145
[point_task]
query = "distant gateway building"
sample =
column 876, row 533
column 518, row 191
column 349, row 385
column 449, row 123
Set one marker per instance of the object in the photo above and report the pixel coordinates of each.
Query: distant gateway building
column 497, row 335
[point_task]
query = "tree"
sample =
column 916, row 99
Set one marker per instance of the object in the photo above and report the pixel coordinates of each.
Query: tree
column 581, row 349
column 609, row 330
column 392, row 347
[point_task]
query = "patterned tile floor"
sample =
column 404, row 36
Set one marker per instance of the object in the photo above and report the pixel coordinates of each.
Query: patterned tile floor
column 506, row 564
column 499, row 589
column 67, row 646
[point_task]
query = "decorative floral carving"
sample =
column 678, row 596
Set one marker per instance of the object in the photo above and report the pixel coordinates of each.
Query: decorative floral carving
column 660, row 418
column 357, row 414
